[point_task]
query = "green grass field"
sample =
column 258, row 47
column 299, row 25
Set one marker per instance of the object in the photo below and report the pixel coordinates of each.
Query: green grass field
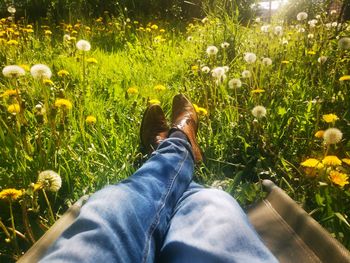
column 82, row 121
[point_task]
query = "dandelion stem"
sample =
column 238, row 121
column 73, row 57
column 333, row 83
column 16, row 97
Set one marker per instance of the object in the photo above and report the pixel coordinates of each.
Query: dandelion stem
column 3, row 227
column 26, row 223
column 14, row 239
column 51, row 216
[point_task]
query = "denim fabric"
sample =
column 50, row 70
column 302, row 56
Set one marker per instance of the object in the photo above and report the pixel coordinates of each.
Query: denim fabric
column 159, row 215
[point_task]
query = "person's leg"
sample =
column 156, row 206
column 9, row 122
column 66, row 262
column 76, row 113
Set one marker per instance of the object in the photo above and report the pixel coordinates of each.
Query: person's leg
column 208, row 225
column 127, row 222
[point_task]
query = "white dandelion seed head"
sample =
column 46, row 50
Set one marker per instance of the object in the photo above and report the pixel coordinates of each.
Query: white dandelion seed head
column 259, row 111
column 301, row 30
column 219, row 74
column 328, row 25
column 258, row 20
column 318, row 16
column 205, row 20
column 205, row 69
column 13, row 71
column 334, row 24
column 322, row 59
column 234, row 83
column 267, row 61
column 249, row 57
column 265, row 28
column 189, row 38
column 11, row 10
column 344, row 43
column 226, row 68
column 50, row 180
column 333, row 12
column 246, row 74
column 332, row 136
column 66, row 37
column 284, row 42
column 212, row 50
column 225, row 45
column 312, row 23
column 302, row 16
column 310, row 36
column 278, row 30
column 41, row 71
column 83, row 45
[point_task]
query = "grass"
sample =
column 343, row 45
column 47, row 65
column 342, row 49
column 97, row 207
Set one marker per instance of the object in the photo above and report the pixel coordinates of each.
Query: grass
column 240, row 149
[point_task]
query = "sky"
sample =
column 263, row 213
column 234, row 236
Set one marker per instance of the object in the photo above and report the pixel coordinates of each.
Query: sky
column 275, row 4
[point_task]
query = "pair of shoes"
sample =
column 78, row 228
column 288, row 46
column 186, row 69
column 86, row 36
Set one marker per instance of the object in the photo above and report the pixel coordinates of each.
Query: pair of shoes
column 154, row 127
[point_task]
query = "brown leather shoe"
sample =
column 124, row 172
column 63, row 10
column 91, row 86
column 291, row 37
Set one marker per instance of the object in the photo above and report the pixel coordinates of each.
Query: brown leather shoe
column 184, row 118
column 154, row 128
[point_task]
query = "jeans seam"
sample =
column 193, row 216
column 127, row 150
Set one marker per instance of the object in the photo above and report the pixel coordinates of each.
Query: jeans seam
column 157, row 216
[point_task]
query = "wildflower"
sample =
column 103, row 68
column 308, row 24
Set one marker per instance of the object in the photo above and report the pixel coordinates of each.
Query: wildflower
column 159, row 88
column 41, row 71
column 62, row 73
column 225, row 45
column 212, row 50
column 333, row 12
column 9, row 92
column 334, row 24
column 202, row 111
column 344, row 43
column 219, row 74
column 48, row 32
column 83, row 45
column 154, row 27
column 90, row 120
column 285, row 62
column 301, row 30
column 162, row 30
column 322, row 59
column 11, row 10
column 12, row 42
column 255, row 91
column 195, row 106
column 66, row 38
column 48, row 82
column 301, row 16
column 331, row 160
column 330, row 118
column 132, row 90
column 205, row 69
column 50, row 180
column 11, row 194
column 250, row 57
column 258, row 20
column 332, row 136
column 259, row 111
column 346, row 160
column 148, row 29
column 194, row 68
column 267, row 61
column 25, row 67
column 339, row 178
column 189, row 38
column 312, row 163
column 154, row 101
column 319, row 134
column 13, row 71
column 64, row 104
column 246, row 74
column 278, row 30
column 265, row 28
column 311, row 52
column 226, row 68
column 235, row 83
column 14, row 108
column 91, row 60
column 345, row 77
column 312, row 23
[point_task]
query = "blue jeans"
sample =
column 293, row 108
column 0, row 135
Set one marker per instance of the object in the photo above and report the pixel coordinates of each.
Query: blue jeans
column 160, row 215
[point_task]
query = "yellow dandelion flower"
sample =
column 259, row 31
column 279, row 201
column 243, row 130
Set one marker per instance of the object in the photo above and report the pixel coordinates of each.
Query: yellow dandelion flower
column 48, row 32
column 196, row 108
column 311, row 52
column 132, row 90
column 257, row 91
column 14, row 108
column 91, row 60
column 202, row 111
column 312, row 163
column 339, row 178
column 29, row 26
column 162, row 30
column 62, row 73
column 12, row 43
column 11, row 194
column 136, row 22
column 29, row 30
column 346, row 160
column 72, row 39
column 285, row 62
column 345, row 77
column 331, row 160
column 8, row 93
column 141, row 28
column 319, row 134
column 154, row 101
column 25, row 67
column 37, row 187
column 194, row 68
column 47, row 82
column 64, row 104
column 74, row 32
column 154, row 27
column 90, row 119
column 329, row 118
column 159, row 88
column 148, row 29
